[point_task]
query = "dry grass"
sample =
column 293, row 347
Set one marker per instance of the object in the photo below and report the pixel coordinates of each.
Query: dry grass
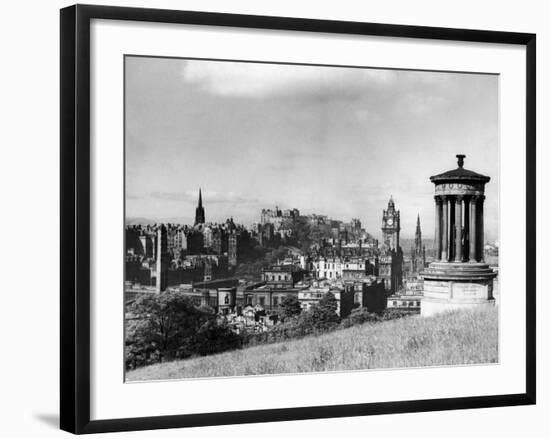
column 456, row 338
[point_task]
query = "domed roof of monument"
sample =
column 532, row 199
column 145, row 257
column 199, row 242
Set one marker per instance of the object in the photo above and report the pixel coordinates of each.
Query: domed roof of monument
column 459, row 174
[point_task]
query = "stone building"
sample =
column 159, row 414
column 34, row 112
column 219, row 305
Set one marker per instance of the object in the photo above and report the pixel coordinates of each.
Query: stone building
column 459, row 276
column 232, row 249
column 176, row 240
column 279, row 281
column 277, row 216
column 391, row 254
column 354, row 269
column 217, row 241
column 405, row 302
column 269, row 298
column 279, row 276
column 280, row 220
column 227, row 300
column 409, row 298
column 343, row 293
column 207, row 234
column 329, row 268
column 147, row 245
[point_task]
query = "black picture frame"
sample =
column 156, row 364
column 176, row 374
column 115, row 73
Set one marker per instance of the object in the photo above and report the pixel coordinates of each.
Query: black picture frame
column 75, row 217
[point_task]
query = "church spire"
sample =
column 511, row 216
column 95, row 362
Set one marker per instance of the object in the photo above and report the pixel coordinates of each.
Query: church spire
column 418, row 257
column 418, row 234
column 199, row 211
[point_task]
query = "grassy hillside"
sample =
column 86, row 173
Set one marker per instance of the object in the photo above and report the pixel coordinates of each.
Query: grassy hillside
column 465, row 337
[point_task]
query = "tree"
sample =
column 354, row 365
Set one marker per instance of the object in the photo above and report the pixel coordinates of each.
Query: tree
column 276, row 254
column 215, row 337
column 329, row 305
column 324, row 315
column 162, row 327
column 290, row 307
column 301, row 232
column 318, row 318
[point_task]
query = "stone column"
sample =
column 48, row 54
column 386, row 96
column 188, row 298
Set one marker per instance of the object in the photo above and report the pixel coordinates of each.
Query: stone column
column 445, row 231
column 437, row 228
column 480, row 231
column 458, row 229
column 473, row 250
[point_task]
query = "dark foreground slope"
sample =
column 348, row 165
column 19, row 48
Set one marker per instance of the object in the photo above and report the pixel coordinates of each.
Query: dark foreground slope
column 465, row 337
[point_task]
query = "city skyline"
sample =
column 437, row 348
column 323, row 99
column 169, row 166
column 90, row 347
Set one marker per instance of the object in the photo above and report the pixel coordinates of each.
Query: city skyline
column 320, row 139
column 188, row 220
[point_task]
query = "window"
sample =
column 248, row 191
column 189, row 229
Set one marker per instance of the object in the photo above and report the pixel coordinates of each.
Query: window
column 262, row 301
column 226, row 299
column 275, row 301
column 249, row 300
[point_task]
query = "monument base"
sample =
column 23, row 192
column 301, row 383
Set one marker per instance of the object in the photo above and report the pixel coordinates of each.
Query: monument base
column 456, row 285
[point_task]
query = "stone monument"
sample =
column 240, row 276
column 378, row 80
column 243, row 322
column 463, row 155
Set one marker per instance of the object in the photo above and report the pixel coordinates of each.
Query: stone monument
column 458, row 277
column 163, row 260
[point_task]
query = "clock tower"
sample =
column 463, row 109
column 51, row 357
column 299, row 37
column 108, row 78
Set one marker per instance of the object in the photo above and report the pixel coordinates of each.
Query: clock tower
column 391, row 255
column 391, row 226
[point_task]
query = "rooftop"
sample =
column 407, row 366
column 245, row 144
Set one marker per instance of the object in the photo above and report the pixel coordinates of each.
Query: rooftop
column 459, row 174
column 279, row 268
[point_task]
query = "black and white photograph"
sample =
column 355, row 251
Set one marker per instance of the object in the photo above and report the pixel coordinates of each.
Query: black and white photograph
column 297, row 218
column 275, row 219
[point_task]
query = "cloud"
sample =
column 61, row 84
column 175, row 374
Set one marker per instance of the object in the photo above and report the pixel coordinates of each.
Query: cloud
column 257, row 79
column 173, row 196
column 422, row 104
column 131, row 196
column 207, row 197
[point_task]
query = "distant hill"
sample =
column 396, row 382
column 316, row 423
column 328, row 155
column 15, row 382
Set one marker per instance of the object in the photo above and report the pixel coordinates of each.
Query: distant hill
column 407, row 243
column 130, row 221
column 461, row 337
column 137, row 220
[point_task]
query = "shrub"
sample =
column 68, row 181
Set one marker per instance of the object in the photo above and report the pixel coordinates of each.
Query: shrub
column 290, row 307
column 323, row 316
column 214, row 337
column 163, row 327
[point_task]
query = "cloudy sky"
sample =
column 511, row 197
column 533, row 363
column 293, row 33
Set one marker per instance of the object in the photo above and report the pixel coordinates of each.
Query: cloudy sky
column 327, row 140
